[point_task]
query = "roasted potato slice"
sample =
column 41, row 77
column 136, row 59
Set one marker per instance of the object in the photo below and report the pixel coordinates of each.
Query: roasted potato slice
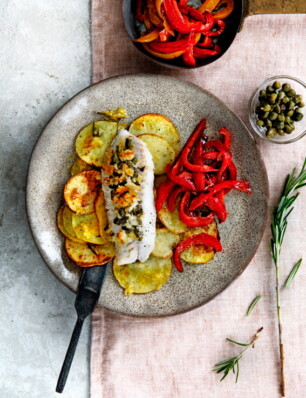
column 86, row 227
column 78, row 166
column 93, row 139
column 87, row 255
column 164, row 243
column 161, row 151
column 157, row 124
column 143, row 277
column 200, row 254
column 102, row 216
column 172, row 220
column 81, row 191
column 64, row 223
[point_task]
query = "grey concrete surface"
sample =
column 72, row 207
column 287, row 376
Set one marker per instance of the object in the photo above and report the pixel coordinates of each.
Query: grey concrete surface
column 44, row 60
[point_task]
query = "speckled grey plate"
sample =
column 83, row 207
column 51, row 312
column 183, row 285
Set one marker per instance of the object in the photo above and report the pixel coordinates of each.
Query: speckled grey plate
column 185, row 104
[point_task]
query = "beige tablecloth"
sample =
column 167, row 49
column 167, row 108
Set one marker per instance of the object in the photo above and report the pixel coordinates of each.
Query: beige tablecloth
column 173, row 357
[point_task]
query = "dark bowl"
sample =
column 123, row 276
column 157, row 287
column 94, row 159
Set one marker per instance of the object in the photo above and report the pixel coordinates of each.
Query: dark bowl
column 233, row 23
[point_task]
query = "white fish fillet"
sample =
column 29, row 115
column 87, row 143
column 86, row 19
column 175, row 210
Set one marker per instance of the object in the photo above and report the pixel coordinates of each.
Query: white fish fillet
column 129, row 247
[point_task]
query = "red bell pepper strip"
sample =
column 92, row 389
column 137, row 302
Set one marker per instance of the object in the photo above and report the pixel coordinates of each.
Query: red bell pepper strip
column 230, row 184
column 191, row 12
column 215, row 144
column 232, row 171
column 184, row 179
column 225, row 11
column 227, row 139
column 226, row 160
column 209, row 22
column 157, row 54
column 202, row 53
column 171, row 46
column 198, row 178
column 211, row 155
column 140, row 11
column 164, row 35
column 176, row 19
column 194, row 240
column 220, row 24
column 217, row 206
column 192, row 221
column 206, row 43
column 171, row 202
column 163, row 193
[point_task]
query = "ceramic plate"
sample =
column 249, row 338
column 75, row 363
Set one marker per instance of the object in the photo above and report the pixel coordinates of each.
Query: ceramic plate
column 185, row 104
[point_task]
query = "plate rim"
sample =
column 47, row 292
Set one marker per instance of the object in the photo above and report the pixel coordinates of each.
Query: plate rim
column 266, row 191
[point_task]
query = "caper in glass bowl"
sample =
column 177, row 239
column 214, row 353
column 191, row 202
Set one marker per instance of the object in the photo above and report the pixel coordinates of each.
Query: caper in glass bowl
column 277, row 110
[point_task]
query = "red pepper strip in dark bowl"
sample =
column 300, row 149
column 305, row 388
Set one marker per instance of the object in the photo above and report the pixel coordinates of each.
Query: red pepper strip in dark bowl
column 163, row 193
column 176, row 19
column 191, row 12
column 204, row 52
column 195, row 240
column 230, row 184
column 192, row 221
column 220, row 25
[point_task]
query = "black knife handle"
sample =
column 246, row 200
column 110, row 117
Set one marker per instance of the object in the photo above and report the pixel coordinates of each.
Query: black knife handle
column 69, row 355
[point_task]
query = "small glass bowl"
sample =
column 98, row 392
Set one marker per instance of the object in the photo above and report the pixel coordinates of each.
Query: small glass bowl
column 300, row 127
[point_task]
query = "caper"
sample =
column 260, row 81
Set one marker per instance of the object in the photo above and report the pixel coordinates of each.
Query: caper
column 262, row 93
column 288, row 119
column 268, row 123
column 272, row 98
column 280, row 94
column 290, row 113
column 264, row 115
column 297, row 116
column 299, row 98
column 279, row 125
column 290, row 93
column 259, row 123
column 288, row 129
column 280, row 132
column 276, row 84
column 277, row 108
column 301, row 104
column 271, row 132
column 285, row 100
column 286, row 87
column 270, row 89
column 266, row 108
column 273, row 115
column 291, row 105
column 281, row 117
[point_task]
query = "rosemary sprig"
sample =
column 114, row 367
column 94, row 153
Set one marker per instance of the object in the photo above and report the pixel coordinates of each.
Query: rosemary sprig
column 252, row 305
column 232, row 364
column 278, row 228
column 293, row 272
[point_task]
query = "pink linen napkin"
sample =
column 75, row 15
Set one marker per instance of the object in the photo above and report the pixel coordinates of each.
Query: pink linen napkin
column 173, row 357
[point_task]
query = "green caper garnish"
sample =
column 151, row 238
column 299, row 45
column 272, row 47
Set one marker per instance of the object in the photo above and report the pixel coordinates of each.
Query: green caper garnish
column 276, row 84
column 288, row 119
column 291, row 93
column 285, row 100
column 273, row 115
column 288, row 129
column 279, row 125
column 280, row 94
column 297, row 116
column 291, row 105
column 266, row 108
column 268, row 123
column 280, row 132
column 277, row 108
column 260, row 123
column 262, row 93
column 286, row 87
column 272, row 98
column 301, row 104
column 271, row 132
column 299, row 98
column 281, row 117
column 290, row 113
column 270, row 89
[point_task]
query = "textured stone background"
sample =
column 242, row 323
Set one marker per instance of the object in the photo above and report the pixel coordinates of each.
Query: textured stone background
column 44, row 60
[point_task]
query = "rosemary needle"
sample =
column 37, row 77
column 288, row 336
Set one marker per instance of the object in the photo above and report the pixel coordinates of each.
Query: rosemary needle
column 252, row 305
column 293, row 272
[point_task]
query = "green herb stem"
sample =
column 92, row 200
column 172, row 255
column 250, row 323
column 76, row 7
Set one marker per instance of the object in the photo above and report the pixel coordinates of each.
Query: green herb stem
column 293, row 272
column 253, row 304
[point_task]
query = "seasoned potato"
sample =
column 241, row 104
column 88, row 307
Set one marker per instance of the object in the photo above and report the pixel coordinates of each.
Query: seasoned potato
column 154, row 123
column 64, row 223
column 81, row 191
column 164, row 243
column 116, row 114
column 101, row 214
column 86, row 227
column 172, row 220
column 93, row 140
column 87, row 255
column 143, row 277
column 78, row 166
column 200, row 254
column 161, row 151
